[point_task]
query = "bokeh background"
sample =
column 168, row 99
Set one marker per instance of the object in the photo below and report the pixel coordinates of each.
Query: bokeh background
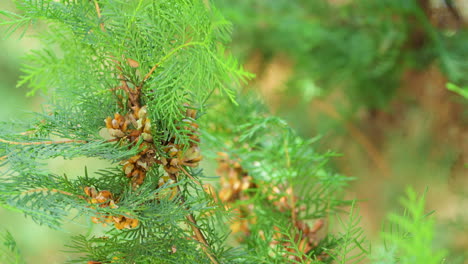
column 368, row 76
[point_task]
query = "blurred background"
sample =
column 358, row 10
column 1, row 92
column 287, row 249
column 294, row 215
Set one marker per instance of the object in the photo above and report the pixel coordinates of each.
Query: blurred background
column 368, row 76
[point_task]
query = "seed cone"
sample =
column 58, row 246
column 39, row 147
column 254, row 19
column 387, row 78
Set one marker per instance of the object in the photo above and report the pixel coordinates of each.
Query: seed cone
column 105, row 199
column 133, row 127
column 235, row 183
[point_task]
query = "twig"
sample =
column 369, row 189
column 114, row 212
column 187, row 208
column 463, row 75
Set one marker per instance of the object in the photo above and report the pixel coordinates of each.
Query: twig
column 55, row 191
column 50, row 190
column 190, row 176
column 201, row 238
column 49, row 142
column 27, row 132
column 122, row 80
column 196, row 230
column 98, row 11
column 293, row 198
column 42, row 142
column 293, row 207
column 150, row 72
column 46, row 142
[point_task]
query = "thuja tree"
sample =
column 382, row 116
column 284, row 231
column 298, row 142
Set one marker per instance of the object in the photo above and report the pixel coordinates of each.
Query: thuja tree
column 129, row 82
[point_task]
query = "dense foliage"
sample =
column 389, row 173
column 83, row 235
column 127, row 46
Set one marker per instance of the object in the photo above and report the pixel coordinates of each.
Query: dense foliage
column 361, row 47
column 148, row 87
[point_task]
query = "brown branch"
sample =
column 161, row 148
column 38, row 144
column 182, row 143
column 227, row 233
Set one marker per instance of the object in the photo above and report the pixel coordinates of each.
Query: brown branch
column 133, row 96
column 49, row 142
column 293, row 208
column 42, row 142
column 201, row 238
column 46, row 142
column 149, row 73
column 52, row 190
column 293, row 198
column 124, row 84
column 98, row 11
column 190, row 176
column 27, row 132
column 196, row 230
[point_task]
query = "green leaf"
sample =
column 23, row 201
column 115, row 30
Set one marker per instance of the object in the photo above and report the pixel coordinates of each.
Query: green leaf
column 456, row 89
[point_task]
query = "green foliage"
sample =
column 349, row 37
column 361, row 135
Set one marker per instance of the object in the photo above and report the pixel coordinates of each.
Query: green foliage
column 105, row 58
column 9, row 251
column 110, row 58
column 275, row 157
column 352, row 246
column 14, row 22
column 181, row 39
column 87, row 53
column 409, row 237
column 463, row 91
column 362, row 47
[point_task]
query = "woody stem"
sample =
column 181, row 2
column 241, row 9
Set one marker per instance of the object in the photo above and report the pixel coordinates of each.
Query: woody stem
column 98, row 11
column 196, row 230
column 42, row 142
column 49, row 142
column 190, row 176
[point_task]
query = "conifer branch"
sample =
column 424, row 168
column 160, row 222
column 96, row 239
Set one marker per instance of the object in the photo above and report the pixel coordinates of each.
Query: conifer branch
column 27, row 132
column 181, row 42
column 148, row 75
column 133, row 95
column 293, row 208
column 44, row 142
column 172, row 52
column 193, row 224
column 98, row 11
column 52, row 190
column 51, row 142
column 292, row 196
column 201, row 238
column 190, row 176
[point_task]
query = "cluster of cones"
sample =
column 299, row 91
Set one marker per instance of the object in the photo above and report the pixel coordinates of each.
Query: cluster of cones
column 133, row 127
column 105, row 199
column 177, row 155
column 234, row 182
column 235, row 186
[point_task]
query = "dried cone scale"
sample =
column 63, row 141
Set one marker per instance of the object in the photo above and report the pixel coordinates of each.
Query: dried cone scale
column 132, row 127
column 234, row 181
column 177, row 155
column 135, row 127
column 105, row 199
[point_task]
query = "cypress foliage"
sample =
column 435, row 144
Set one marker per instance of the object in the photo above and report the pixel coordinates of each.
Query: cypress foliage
column 148, row 87
column 129, row 82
